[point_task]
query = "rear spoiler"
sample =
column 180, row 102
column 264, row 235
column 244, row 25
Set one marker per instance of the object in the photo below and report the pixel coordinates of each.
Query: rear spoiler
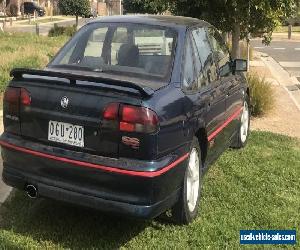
column 20, row 72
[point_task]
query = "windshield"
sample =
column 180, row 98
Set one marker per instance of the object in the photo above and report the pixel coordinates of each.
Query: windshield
column 133, row 50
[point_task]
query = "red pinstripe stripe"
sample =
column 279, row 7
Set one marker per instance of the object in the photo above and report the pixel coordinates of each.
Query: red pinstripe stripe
column 229, row 120
column 96, row 166
column 117, row 170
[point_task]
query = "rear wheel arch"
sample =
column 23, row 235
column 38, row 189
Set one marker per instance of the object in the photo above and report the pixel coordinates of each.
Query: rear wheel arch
column 248, row 92
column 201, row 134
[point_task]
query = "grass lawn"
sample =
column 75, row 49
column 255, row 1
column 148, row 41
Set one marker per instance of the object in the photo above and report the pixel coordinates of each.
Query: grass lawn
column 255, row 188
column 284, row 29
column 25, row 50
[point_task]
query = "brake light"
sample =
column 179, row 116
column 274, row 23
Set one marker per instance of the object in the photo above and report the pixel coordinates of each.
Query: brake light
column 111, row 111
column 132, row 118
column 12, row 95
column 17, row 95
column 25, row 97
column 138, row 119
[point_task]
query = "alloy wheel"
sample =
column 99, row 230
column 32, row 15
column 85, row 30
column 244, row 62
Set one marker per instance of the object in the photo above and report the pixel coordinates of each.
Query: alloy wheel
column 193, row 180
column 244, row 123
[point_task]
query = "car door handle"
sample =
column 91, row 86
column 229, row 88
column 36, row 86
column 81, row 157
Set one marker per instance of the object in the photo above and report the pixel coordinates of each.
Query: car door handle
column 206, row 100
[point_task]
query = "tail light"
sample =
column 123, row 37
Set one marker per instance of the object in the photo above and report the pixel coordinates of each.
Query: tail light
column 138, row 119
column 111, row 111
column 132, row 118
column 25, row 97
column 14, row 97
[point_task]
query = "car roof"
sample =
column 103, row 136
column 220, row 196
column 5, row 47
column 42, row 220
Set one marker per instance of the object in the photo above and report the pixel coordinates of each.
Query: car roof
column 162, row 20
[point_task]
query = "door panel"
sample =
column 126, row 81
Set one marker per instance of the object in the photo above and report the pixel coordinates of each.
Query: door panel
column 230, row 83
column 234, row 102
column 211, row 93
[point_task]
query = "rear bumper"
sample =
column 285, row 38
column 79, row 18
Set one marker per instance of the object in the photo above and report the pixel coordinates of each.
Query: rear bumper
column 17, row 180
column 67, row 176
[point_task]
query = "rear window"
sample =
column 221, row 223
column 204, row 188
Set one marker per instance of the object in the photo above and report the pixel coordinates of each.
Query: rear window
column 133, row 50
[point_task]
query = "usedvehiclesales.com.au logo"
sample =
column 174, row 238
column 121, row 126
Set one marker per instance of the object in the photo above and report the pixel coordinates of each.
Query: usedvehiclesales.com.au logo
column 268, row 237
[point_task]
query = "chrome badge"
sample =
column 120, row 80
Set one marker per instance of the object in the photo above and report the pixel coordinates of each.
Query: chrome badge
column 64, row 102
column 131, row 142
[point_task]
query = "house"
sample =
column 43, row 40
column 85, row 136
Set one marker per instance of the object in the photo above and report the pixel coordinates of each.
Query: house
column 109, row 7
column 103, row 7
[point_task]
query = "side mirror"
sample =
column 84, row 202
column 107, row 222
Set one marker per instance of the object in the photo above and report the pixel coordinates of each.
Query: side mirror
column 240, row 65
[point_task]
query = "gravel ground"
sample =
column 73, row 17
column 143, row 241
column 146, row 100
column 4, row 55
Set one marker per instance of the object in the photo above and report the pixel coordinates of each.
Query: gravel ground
column 285, row 117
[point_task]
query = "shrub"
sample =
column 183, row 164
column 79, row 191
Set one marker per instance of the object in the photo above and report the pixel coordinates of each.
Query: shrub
column 70, row 30
column 60, row 31
column 261, row 94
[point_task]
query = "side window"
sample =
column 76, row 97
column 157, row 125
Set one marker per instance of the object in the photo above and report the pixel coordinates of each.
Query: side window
column 221, row 52
column 201, row 81
column 205, row 53
column 188, row 74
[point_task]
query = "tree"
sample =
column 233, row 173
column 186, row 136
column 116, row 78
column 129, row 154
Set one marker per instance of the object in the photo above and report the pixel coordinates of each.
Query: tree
column 145, row 6
column 258, row 17
column 78, row 8
column 240, row 17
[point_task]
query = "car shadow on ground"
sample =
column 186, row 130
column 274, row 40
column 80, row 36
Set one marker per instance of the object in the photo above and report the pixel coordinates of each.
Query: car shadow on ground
column 65, row 225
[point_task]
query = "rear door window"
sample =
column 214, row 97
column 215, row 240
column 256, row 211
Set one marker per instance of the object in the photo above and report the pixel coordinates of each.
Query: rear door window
column 205, row 53
column 201, row 81
column 188, row 74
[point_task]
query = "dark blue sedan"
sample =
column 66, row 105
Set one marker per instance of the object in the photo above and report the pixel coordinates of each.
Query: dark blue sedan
column 127, row 117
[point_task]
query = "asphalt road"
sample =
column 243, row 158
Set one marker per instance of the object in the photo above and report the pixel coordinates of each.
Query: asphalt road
column 286, row 53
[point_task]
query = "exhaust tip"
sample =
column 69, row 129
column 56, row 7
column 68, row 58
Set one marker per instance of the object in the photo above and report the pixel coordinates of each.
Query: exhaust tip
column 31, row 191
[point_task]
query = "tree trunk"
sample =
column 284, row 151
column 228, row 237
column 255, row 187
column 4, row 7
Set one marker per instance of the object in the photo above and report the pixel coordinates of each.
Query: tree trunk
column 236, row 34
column 76, row 21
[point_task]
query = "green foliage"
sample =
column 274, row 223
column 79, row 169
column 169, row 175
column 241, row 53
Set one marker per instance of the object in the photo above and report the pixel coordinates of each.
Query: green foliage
column 60, row 30
column 259, row 17
column 254, row 188
column 75, row 7
column 145, row 6
column 262, row 95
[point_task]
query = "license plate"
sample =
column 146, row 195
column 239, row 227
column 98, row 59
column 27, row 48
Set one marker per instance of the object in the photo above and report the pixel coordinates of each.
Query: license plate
column 66, row 133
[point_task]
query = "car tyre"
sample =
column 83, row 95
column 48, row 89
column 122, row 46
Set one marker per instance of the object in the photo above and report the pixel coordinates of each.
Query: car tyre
column 186, row 208
column 244, row 126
